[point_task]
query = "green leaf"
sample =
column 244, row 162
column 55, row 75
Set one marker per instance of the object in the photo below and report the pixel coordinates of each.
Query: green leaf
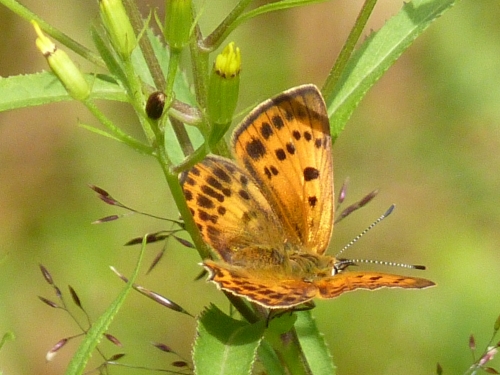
column 377, row 54
column 224, row 345
column 98, row 328
column 108, row 56
column 272, row 7
column 270, row 361
column 42, row 88
column 313, row 345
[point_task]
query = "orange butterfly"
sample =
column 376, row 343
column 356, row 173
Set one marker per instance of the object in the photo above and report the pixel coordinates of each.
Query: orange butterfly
column 269, row 214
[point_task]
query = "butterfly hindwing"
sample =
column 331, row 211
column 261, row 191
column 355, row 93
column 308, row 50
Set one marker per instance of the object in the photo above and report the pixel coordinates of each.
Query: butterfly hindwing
column 229, row 208
column 260, row 287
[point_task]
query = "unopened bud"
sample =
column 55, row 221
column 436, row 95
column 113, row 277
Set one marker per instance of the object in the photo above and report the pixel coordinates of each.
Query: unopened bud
column 120, row 30
column 178, row 21
column 62, row 66
column 223, row 90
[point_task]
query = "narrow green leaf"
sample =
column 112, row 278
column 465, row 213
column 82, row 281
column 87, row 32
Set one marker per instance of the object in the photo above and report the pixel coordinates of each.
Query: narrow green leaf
column 108, row 55
column 97, row 330
column 225, row 346
column 377, row 54
column 272, row 7
column 95, row 130
column 313, row 345
column 42, row 88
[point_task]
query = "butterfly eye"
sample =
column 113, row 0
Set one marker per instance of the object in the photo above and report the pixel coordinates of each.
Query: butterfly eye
column 340, row 265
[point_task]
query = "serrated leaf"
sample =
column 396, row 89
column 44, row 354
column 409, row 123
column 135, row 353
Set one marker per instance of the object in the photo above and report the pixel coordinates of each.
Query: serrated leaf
column 313, row 345
column 224, row 345
column 31, row 90
column 377, row 54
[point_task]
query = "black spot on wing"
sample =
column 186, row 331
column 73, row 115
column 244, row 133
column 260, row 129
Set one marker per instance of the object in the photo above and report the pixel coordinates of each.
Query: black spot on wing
column 255, row 149
column 205, row 216
column 265, row 130
column 221, row 174
column 311, row 173
column 204, row 201
column 278, row 122
column 312, row 201
column 290, row 148
column 212, row 193
column 244, row 194
column 188, row 195
column 280, row 154
column 212, row 181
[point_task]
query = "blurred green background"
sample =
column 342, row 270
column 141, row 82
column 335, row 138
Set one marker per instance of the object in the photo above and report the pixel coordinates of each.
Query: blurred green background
column 427, row 135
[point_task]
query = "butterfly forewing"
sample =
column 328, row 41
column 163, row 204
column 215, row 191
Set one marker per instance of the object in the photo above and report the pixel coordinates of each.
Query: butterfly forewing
column 331, row 287
column 285, row 144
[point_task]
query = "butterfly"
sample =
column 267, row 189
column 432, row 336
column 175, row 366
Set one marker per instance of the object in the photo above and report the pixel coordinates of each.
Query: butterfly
column 269, row 214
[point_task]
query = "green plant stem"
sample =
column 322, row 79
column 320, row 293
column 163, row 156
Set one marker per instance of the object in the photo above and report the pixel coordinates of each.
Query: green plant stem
column 145, row 44
column 348, row 48
column 138, row 102
column 28, row 15
column 287, row 347
column 182, row 136
column 157, row 73
column 174, row 184
column 173, row 67
column 117, row 132
column 216, row 38
column 292, row 354
column 200, row 69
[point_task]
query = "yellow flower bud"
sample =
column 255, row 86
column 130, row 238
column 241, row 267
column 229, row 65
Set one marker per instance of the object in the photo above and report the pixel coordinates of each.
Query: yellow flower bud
column 223, row 90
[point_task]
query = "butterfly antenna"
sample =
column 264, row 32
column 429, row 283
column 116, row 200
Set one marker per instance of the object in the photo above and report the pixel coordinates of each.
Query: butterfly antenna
column 370, row 227
column 350, row 262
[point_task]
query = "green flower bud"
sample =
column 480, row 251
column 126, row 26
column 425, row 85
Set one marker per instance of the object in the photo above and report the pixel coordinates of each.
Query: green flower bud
column 120, row 30
column 223, row 90
column 178, row 22
column 62, row 66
